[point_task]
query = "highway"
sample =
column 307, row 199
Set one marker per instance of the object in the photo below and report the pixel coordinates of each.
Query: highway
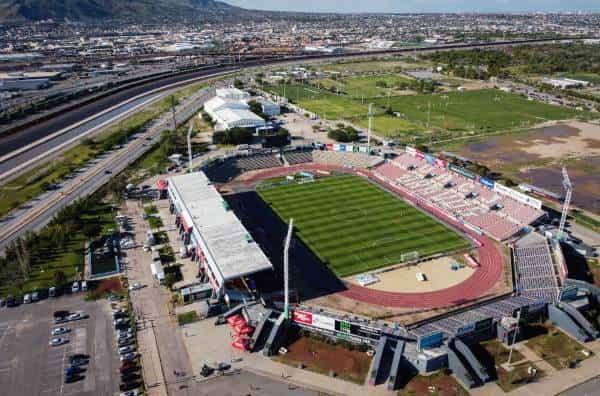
column 21, row 138
column 37, row 213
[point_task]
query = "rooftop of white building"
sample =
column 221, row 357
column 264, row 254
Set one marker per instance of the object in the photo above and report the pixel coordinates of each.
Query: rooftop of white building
column 229, row 244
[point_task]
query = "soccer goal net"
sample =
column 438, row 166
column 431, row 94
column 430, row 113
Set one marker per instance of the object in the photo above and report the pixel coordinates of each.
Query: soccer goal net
column 410, row 256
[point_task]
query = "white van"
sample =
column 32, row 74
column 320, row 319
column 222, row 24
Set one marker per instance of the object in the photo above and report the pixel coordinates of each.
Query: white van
column 75, row 287
column 84, row 286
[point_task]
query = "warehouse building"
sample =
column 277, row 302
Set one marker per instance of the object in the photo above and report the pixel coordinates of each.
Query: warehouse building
column 212, row 233
column 232, row 94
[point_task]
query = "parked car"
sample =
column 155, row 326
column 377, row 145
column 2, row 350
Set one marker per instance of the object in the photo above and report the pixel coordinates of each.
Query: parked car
column 128, row 365
column 78, row 359
column 60, row 330
column 52, row 292
column 35, row 296
column 2, row 302
column 57, row 341
column 135, row 286
column 27, row 299
column 126, row 349
column 134, row 392
column 11, row 301
column 60, row 320
column 129, row 386
column 84, row 286
column 130, row 377
column 120, row 321
column 78, row 316
column 75, row 287
column 125, row 341
column 128, row 357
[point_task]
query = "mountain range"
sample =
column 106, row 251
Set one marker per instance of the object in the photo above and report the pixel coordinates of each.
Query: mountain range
column 98, row 10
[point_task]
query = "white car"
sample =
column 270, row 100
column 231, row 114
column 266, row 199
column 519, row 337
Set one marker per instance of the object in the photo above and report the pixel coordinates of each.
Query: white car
column 120, row 321
column 126, row 349
column 60, row 330
column 57, row 341
column 77, row 316
column 134, row 392
column 135, row 286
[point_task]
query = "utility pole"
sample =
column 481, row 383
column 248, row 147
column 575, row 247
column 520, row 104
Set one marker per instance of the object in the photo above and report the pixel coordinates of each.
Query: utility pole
column 189, row 144
column 286, row 270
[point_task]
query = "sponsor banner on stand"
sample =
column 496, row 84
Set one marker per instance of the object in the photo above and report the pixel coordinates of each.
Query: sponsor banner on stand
column 487, row 182
column 518, row 196
column 363, row 149
column 329, row 147
column 419, row 154
column 336, row 147
column 343, row 147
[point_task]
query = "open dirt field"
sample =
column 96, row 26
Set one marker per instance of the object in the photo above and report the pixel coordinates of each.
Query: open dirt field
column 438, row 272
column 323, row 358
column 537, row 157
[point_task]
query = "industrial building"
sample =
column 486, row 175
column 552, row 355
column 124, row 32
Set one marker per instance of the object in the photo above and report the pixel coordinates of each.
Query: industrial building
column 212, row 233
column 230, row 110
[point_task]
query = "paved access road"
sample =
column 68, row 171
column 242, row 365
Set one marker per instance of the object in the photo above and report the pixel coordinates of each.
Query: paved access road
column 29, row 366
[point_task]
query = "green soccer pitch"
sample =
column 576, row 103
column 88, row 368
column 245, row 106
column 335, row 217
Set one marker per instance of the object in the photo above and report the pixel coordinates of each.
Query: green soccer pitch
column 354, row 226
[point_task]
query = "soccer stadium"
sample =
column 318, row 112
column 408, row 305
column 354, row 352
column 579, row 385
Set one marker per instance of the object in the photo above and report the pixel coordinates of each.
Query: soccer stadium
column 408, row 253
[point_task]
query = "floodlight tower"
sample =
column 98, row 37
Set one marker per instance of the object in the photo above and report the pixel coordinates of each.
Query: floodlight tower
column 369, row 130
column 568, row 186
column 286, row 271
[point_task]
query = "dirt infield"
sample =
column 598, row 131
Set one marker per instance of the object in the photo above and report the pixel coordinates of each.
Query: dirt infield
column 438, row 272
column 483, row 279
column 322, row 358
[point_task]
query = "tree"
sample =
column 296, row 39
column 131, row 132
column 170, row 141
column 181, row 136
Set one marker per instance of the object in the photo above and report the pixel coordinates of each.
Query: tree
column 91, row 230
column 238, row 84
column 60, row 279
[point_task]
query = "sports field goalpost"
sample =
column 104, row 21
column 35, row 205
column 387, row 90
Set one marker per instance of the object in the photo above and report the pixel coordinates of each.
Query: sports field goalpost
column 410, row 256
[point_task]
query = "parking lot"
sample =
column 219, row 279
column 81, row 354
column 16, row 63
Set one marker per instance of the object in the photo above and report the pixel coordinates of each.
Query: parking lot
column 30, row 366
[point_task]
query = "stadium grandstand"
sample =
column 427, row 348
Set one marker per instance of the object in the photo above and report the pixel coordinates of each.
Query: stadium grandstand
column 212, row 233
column 535, row 272
column 497, row 215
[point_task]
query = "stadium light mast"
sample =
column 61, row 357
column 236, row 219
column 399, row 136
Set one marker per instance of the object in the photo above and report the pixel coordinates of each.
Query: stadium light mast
column 568, row 186
column 189, row 147
column 286, row 271
column 369, row 130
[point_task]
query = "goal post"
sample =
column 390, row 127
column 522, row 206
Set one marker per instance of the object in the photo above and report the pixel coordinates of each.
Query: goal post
column 410, row 256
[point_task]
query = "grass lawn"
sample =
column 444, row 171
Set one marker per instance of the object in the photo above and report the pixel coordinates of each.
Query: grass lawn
column 556, row 348
column 393, row 127
column 518, row 376
column 479, row 110
column 367, row 86
column 354, row 226
column 321, row 357
column 50, row 258
column 444, row 384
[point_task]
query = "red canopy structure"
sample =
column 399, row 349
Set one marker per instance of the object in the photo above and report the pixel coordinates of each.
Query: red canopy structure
column 162, row 184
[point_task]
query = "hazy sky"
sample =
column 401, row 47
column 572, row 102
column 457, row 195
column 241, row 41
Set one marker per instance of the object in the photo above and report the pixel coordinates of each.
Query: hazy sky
column 419, row 5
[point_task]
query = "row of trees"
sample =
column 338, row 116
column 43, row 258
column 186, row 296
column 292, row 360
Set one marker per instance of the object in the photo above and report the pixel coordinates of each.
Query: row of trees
column 344, row 134
column 540, row 59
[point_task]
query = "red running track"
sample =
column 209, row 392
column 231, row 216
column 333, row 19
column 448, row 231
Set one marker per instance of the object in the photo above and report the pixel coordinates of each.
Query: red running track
column 482, row 280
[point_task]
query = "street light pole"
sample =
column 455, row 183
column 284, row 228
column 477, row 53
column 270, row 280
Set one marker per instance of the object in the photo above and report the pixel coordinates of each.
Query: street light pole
column 189, row 144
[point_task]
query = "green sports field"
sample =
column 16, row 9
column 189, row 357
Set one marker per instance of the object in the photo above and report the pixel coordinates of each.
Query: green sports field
column 354, row 226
